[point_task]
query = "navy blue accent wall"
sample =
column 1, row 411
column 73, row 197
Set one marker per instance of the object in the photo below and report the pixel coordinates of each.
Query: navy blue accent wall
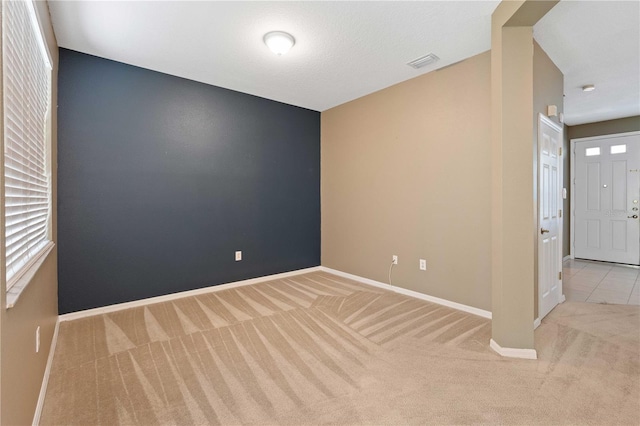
column 162, row 179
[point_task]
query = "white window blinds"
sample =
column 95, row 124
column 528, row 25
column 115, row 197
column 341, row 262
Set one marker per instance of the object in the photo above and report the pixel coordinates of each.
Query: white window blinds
column 26, row 84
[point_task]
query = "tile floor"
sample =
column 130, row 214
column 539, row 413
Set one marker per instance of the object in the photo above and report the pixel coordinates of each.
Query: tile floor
column 598, row 282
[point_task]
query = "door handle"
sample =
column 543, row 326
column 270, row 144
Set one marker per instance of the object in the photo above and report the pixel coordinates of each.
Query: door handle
column 635, row 216
column 543, row 231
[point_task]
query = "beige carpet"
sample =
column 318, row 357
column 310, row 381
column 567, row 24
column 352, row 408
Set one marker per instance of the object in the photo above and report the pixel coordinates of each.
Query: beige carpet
column 317, row 348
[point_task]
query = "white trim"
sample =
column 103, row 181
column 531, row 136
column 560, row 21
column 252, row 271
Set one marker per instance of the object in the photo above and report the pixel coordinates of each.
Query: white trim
column 536, row 323
column 614, row 135
column 20, row 281
column 567, row 257
column 562, row 298
column 542, row 119
column 572, row 198
column 513, row 352
column 410, row 293
column 550, row 123
column 45, row 378
column 35, row 22
column 572, row 177
column 180, row 295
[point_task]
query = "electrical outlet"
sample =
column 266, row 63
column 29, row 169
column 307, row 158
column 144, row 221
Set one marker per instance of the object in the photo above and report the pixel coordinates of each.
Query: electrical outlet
column 394, row 259
column 238, row 256
column 423, row 264
column 38, row 339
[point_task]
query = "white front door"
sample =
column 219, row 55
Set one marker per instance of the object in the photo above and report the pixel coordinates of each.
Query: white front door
column 549, row 215
column 607, row 198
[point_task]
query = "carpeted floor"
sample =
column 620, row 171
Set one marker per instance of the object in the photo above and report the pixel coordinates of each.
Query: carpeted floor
column 318, row 348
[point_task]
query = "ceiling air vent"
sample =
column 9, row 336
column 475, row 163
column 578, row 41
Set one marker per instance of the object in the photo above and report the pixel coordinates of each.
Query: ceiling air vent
column 423, row 61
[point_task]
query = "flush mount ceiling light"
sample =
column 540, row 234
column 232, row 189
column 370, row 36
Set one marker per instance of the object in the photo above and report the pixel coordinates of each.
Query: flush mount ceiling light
column 279, row 42
column 588, row 88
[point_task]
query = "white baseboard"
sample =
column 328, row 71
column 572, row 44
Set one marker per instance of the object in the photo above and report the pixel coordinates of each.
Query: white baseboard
column 410, row 293
column 45, row 378
column 567, row 257
column 563, row 298
column 536, row 323
column 180, row 295
column 513, row 352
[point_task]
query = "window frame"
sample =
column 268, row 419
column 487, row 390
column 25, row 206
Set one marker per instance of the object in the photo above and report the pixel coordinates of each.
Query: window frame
column 20, row 280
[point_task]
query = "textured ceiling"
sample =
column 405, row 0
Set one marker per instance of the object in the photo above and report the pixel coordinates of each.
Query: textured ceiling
column 595, row 42
column 344, row 50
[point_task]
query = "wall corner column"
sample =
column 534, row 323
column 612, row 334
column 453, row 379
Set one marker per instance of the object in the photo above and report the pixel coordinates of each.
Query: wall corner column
column 513, row 208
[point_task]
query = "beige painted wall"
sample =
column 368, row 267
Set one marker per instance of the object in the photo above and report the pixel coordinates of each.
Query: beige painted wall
column 609, row 127
column 406, row 171
column 513, row 210
column 516, row 293
column 21, row 369
column 548, row 89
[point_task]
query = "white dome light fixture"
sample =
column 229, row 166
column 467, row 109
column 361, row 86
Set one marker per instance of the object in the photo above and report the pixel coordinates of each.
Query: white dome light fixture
column 279, row 42
column 588, row 88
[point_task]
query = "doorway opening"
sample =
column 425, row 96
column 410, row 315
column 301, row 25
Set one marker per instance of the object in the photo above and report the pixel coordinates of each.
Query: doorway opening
column 549, row 215
column 601, row 282
column 605, row 198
